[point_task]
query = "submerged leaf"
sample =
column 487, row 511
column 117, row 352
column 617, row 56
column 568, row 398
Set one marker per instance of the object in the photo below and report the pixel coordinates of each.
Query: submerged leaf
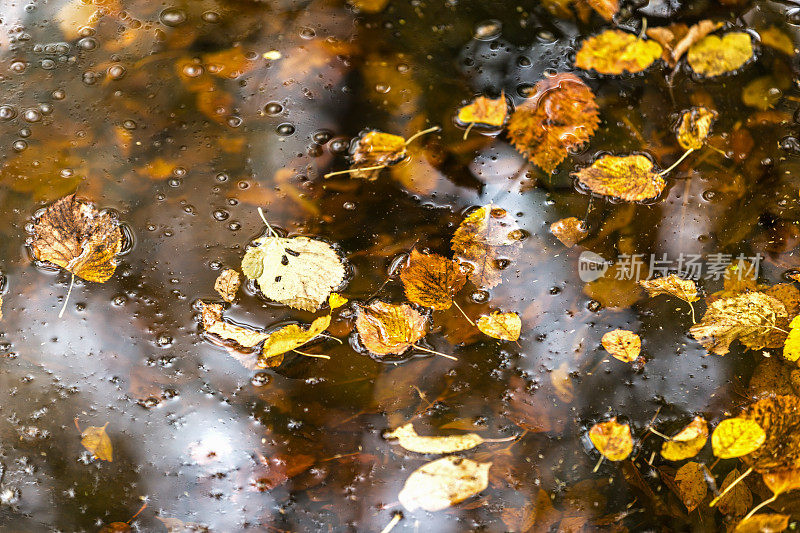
column 616, row 52
column 763, row 523
column 713, row 55
column 96, row 441
column 622, row 344
column 503, row 326
column 781, row 481
column 407, row 438
column 213, row 323
column 447, row 481
column 688, row 442
column 483, row 111
column 791, row 348
column 386, row 328
column 570, row 231
column 779, row 417
column 630, row 178
column 738, row 499
column 290, row 337
column 694, row 127
column 775, row 38
column 431, row 280
column 692, row 486
column 72, row 234
column 612, row 439
column 559, row 116
column 672, row 285
column 299, row 272
column 735, row 437
column 227, row 284
column 677, row 38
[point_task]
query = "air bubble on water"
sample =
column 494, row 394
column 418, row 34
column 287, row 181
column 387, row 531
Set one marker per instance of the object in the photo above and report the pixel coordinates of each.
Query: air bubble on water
column 48, row 64
column 116, row 72
column 479, row 297
column 18, row 66
column 129, row 124
column 87, row 43
column 66, row 173
column 46, row 109
column 58, row 94
column 211, row 17
column 32, row 115
column 382, row 88
column 307, row 33
column 285, row 129
column 172, row 17
column 192, row 70
column 24, row 132
column 19, row 146
column 7, row 112
column 488, row 30
column 260, row 379
column 273, row 108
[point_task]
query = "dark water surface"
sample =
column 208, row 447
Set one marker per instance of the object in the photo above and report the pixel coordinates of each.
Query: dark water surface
column 136, row 114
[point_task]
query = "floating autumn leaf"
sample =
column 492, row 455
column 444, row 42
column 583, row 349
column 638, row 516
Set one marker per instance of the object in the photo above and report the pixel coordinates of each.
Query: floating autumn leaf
column 74, row 235
column 407, row 438
column 775, row 38
column 750, row 317
column 605, row 8
column 612, row 439
column 622, row 344
column 96, row 441
column 779, row 416
column 694, row 127
column 559, row 116
column 791, row 348
column 570, row 231
column 714, row 55
column 290, row 338
column 692, row 486
column 630, row 178
column 431, row 280
column 336, row 300
column 672, row 285
column 781, row 481
column 227, row 284
column 503, row 326
column 688, row 442
column 677, row 38
column 447, row 481
column 486, row 241
column 763, row 523
column 735, row 437
column 736, row 501
column 386, row 328
column 483, row 112
column 214, row 323
column 617, row 52
column 300, row 272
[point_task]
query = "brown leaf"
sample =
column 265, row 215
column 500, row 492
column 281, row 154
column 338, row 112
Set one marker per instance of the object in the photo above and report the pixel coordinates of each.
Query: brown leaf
column 672, row 285
column 605, row 8
column 763, row 523
column 72, row 234
column 486, row 241
column 227, row 284
column 630, row 178
column 622, row 344
column 692, row 486
column 559, row 116
column 570, row 231
column 96, row 441
column 386, row 328
column 738, row 500
column 677, row 38
column 213, row 323
column 694, row 127
column 781, row 481
column 374, row 149
column 431, row 280
column 281, row 468
column 779, row 417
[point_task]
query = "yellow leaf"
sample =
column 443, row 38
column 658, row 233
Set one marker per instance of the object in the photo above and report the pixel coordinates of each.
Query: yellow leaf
column 227, row 284
column 763, row 523
column 694, row 127
column 713, row 55
column 672, row 285
column 779, row 417
column 431, row 280
column 692, row 486
column 213, row 323
column 791, row 348
column 616, row 52
column 407, row 438
column 765, row 92
column 503, row 326
column 736, row 437
column 484, row 111
column 447, row 481
column 96, row 441
column 336, row 300
column 630, row 178
column 622, row 344
column 386, row 328
column 677, row 38
column 376, row 148
column 781, row 481
column 612, row 439
column 688, row 442
column 777, row 39
column 289, row 338
column 570, row 231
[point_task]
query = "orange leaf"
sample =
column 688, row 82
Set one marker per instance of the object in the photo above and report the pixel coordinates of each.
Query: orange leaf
column 629, row 178
column 622, row 344
column 386, row 328
column 431, row 280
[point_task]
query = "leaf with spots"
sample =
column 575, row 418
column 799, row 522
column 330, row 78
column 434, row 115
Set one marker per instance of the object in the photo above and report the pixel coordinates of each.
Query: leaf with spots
column 386, row 328
column 713, row 55
column 691, row 482
column 431, row 280
column 616, row 52
column 227, row 283
column 623, row 344
column 630, row 178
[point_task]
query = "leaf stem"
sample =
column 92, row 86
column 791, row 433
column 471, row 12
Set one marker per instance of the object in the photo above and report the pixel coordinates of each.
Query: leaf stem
column 353, row 170
column 395, row 520
column 421, row 133
column 597, row 466
column 729, row 487
column 319, row 356
column 69, row 291
column 271, row 231
column 463, row 313
column 760, row 505
column 466, row 132
column 676, row 163
column 418, row 347
column 654, row 432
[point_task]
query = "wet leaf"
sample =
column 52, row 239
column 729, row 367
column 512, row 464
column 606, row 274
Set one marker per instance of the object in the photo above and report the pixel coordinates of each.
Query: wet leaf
column 1, row 308
column 227, row 284
column 503, row 326
column 447, row 481
column 779, row 417
column 763, row 523
column 738, row 500
column 486, row 241
column 559, row 116
column 299, row 272
column 115, row 527
column 214, row 323
column 570, row 231
column 688, row 442
column 484, row 111
column 751, row 318
column 175, row 525
column 775, row 38
column 791, row 348
column 407, row 438
column 694, row 127
column 386, row 328
column 376, row 148
column 622, row 344
column 617, row 52
column 736, row 437
column 630, row 178
column 96, row 441
column 692, row 486
column 672, row 285
column 290, row 337
column 431, row 280
column 336, row 300
column 714, row 55
column 72, row 234
column 612, row 439
column 369, row 6
column 677, row 38
column 764, row 92
column 605, row 8
column 781, row 481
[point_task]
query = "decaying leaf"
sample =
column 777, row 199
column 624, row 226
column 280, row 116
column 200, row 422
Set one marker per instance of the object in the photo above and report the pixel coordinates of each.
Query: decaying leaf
column 570, row 231
column 780, row 481
column 431, row 280
column 605, row 8
column 447, row 481
column 373, row 151
column 386, row 328
column 775, row 38
column 612, row 439
column 735, row 437
column 487, row 240
column 214, row 323
column 765, row 92
column 299, row 272
column 622, row 344
column 616, row 52
column 407, row 438
column 750, row 317
column 559, row 116
column 74, row 235
column 692, row 486
column 779, row 417
column 714, row 55
column 227, row 284
column 336, row 300
column 688, row 442
column 289, row 338
column 694, row 127
column 677, row 38
column 96, row 441
column 484, row 112
column 630, row 178
column 560, row 8
column 763, row 523
column 672, row 285
column 738, row 499
column 503, row 326
column 791, row 348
